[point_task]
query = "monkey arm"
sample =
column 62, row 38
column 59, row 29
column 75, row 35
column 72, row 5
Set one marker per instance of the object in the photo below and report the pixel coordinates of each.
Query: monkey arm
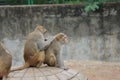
column 59, row 60
column 46, row 46
column 42, row 45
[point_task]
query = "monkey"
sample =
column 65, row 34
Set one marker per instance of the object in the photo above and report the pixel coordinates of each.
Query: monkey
column 5, row 62
column 34, row 54
column 52, row 52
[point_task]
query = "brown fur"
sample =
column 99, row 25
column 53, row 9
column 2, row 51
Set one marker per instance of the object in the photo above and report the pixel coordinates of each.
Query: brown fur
column 5, row 62
column 53, row 55
column 34, row 54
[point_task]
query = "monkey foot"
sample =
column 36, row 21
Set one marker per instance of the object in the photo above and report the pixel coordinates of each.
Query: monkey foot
column 46, row 73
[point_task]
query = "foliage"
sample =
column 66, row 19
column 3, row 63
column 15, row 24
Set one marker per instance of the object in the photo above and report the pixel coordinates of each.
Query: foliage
column 90, row 5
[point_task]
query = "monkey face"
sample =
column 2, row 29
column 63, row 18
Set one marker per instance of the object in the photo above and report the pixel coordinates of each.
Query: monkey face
column 65, row 39
column 62, row 38
column 44, row 31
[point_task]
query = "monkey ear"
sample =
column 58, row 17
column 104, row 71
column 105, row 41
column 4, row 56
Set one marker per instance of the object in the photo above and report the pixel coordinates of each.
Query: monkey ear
column 41, row 29
column 58, row 37
column 37, row 28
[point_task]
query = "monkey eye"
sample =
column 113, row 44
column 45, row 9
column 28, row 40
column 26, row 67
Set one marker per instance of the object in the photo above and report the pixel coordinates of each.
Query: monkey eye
column 65, row 37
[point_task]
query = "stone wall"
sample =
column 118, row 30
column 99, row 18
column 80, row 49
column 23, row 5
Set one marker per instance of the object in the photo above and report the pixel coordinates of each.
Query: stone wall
column 92, row 36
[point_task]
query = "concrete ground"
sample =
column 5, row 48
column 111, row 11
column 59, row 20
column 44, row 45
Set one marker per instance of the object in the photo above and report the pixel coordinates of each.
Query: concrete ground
column 46, row 73
column 92, row 70
column 96, row 70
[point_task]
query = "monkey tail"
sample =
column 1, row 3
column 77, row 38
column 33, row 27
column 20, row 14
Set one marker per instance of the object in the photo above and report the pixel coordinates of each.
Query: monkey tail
column 26, row 65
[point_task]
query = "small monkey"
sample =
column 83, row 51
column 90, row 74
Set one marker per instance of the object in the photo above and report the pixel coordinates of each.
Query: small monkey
column 52, row 53
column 34, row 54
column 5, row 62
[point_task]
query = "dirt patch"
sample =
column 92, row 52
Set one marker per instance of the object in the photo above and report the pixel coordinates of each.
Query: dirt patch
column 96, row 70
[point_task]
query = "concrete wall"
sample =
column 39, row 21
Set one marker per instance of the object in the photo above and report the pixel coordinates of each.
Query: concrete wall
column 92, row 36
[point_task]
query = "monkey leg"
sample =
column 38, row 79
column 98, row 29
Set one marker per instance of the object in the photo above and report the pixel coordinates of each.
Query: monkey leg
column 0, row 78
column 4, row 78
column 41, row 58
column 37, row 59
column 60, row 62
column 39, row 64
column 61, row 65
column 51, row 60
column 3, row 73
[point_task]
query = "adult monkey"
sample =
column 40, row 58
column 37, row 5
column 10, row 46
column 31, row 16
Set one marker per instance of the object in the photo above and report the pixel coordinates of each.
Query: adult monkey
column 52, row 52
column 5, row 62
column 34, row 54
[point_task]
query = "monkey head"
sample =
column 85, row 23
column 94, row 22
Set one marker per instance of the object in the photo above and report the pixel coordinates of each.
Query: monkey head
column 62, row 38
column 41, row 29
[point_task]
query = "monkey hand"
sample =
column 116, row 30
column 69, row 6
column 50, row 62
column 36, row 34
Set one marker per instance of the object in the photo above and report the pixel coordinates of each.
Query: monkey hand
column 64, row 68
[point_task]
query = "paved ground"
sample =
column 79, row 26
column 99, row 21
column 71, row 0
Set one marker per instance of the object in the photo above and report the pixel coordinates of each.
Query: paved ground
column 46, row 73
column 95, row 70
